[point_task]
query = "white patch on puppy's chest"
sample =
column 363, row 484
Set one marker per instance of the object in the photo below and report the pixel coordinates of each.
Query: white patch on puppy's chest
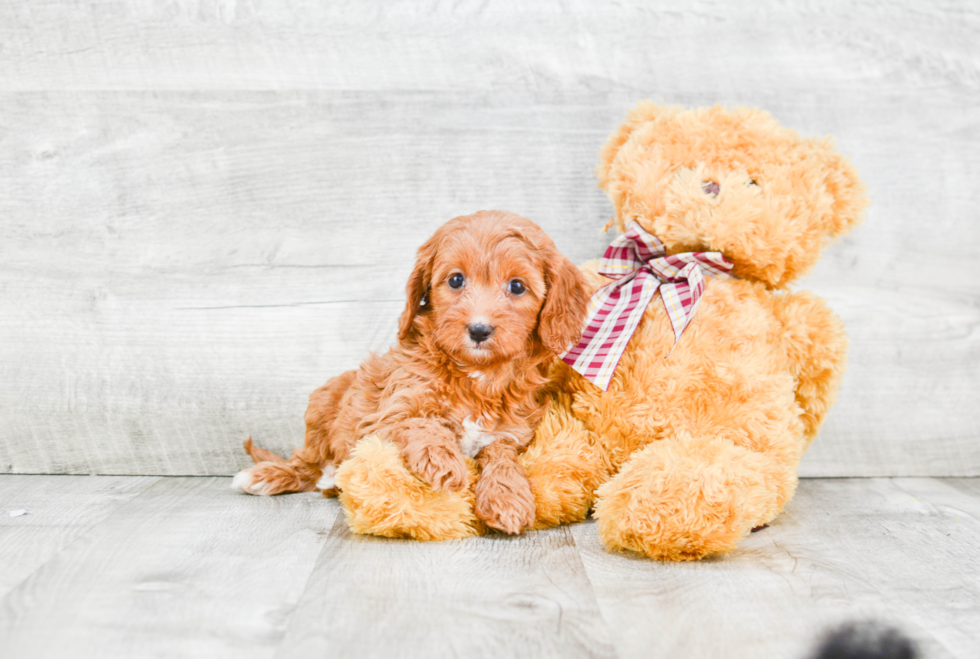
column 475, row 437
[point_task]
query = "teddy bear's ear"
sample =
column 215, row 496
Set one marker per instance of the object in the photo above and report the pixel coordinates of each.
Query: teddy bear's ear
column 644, row 113
column 850, row 197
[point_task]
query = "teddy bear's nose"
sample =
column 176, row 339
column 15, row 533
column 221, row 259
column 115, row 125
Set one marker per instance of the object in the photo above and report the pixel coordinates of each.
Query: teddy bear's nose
column 711, row 188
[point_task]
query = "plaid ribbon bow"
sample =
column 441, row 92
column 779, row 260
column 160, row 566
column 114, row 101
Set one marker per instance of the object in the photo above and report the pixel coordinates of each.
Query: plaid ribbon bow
column 640, row 265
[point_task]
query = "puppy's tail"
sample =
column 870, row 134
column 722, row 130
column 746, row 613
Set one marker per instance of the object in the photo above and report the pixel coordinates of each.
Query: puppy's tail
column 260, row 454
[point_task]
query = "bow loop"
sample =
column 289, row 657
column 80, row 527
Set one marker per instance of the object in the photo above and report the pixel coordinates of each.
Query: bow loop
column 639, row 266
column 629, row 252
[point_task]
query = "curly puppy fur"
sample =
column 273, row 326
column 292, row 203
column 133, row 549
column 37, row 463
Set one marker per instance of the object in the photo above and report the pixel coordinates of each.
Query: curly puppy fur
column 442, row 394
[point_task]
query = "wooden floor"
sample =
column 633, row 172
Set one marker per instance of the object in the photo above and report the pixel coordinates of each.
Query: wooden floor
column 115, row 566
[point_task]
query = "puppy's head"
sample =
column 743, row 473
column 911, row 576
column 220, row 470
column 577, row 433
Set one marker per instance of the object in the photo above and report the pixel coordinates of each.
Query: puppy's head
column 492, row 286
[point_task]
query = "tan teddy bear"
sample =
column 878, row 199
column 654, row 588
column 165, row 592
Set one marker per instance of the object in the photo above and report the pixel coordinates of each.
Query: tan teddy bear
column 693, row 444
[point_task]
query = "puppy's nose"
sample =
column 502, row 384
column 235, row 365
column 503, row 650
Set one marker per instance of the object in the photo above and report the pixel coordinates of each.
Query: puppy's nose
column 479, row 332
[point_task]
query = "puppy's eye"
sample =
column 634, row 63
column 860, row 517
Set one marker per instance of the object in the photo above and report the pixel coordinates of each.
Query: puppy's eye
column 516, row 287
column 456, row 281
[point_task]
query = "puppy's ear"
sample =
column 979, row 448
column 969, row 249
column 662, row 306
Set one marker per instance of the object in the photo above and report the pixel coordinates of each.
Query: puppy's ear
column 417, row 289
column 560, row 323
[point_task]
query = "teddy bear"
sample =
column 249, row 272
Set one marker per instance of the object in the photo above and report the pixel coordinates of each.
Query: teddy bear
column 695, row 437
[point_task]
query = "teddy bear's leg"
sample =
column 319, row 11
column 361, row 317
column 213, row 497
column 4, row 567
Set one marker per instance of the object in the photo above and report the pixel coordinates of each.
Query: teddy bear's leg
column 382, row 497
column 685, row 498
column 564, row 464
column 817, row 349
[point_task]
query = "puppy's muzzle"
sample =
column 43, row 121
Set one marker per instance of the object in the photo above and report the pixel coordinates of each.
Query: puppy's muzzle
column 479, row 332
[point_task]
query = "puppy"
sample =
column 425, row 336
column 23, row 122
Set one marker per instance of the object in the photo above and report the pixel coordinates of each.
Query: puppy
column 490, row 301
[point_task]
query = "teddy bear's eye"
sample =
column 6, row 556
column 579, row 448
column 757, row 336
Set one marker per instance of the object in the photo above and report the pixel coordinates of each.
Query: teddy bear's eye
column 711, row 188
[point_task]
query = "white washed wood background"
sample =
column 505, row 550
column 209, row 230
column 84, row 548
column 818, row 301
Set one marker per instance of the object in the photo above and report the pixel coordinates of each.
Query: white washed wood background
column 208, row 208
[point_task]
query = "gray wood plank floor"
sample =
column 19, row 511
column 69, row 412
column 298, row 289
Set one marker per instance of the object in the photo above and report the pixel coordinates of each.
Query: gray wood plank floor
column 163, row 567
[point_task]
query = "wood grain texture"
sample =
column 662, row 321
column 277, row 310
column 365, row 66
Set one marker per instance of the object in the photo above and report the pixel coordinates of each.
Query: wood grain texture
column 59, row 510
column 785, row 49
column 187, row 569
column 494, row 596
column 187, row 187
column 159, row 330
column 900, row 551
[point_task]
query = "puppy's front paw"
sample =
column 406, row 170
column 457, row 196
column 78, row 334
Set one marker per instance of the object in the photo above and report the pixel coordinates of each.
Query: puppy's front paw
column 505, row 503
column 439, row 466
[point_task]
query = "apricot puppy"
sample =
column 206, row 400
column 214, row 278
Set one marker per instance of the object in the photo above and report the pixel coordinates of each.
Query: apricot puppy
column 490, row 301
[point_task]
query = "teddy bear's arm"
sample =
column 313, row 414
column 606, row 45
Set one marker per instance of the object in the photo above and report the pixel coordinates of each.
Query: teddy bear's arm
column 817, row 350
column 382, row 497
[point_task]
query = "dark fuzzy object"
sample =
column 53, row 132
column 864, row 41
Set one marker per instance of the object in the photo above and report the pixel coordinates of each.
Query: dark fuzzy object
column 866, row 640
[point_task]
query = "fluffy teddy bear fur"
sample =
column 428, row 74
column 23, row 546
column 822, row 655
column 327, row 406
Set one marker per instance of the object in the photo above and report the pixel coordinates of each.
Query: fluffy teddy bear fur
column 690, row 448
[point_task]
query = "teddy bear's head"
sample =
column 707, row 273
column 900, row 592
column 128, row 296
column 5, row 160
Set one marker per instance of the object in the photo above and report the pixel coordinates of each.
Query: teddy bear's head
column 733, row 181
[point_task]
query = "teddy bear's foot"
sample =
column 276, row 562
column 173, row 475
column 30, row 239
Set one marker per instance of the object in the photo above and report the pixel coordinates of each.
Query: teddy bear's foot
column 684, row 498
column 382, row 497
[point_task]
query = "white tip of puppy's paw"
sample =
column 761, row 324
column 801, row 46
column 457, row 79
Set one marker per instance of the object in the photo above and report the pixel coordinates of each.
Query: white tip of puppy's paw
column 244, row 482
column 326, row 481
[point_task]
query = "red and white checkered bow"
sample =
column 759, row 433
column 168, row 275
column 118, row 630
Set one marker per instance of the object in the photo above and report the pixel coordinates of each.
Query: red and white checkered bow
column 640, row 266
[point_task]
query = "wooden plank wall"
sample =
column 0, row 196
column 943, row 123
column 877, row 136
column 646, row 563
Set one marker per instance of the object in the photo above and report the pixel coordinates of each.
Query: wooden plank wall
column 209, row 207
